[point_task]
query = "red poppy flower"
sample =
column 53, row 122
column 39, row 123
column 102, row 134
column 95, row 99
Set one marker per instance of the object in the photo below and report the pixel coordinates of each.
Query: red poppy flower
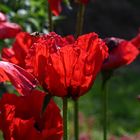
column 21, row 118
column 2, row 17
column 66, row 69
column 9, row 30
column 121, row 52
column 23, row 81
column 136, row 41
column 55, row 6
column 20, row 48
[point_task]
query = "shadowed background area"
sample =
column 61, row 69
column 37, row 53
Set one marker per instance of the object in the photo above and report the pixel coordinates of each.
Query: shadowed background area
column 108, row 18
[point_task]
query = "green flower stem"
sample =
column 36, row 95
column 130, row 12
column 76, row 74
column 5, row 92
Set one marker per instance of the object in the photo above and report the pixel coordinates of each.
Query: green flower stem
column 79, row 28
column 104, row 107
column 106, row 75
column 76, row 122
column 80, row 20
column 50, row 26
column 65, row 110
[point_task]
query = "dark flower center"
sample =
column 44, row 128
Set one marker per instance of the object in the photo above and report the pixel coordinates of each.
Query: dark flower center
column 37, row 127
column 112, row 42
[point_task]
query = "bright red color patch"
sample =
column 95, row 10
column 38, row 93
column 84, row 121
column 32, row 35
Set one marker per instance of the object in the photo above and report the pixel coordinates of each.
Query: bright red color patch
column 19, row 50
column 55, row 6
column 121, row 53
column 66, row 69
column 136, row 41
column 21, row 118
column 22, row 80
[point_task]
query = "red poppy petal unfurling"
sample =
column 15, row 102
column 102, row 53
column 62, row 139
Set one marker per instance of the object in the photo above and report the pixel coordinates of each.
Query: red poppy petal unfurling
column 9, row 30
column 23, row 81
column 55, row 6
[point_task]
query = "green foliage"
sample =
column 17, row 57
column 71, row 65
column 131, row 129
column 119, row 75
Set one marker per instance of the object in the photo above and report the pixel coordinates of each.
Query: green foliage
column 123, row 105
column 30, row 14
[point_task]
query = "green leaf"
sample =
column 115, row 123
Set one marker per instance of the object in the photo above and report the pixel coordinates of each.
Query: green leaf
column 5, row 8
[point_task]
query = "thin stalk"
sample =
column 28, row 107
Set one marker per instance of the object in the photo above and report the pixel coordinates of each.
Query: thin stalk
column 79, row 28
column 76, row 122
column 65, row 110
column 80, row 20
column 104, row 107
column 50, row 26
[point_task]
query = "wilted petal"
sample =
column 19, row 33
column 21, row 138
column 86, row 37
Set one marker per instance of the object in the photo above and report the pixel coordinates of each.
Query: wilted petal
column 23, row 81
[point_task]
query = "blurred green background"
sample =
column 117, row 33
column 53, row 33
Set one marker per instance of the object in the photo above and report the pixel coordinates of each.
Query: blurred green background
column 119, row 18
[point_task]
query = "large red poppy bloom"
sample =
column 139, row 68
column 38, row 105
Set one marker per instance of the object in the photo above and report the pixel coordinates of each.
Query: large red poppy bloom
column 55, row 6
column 136, row 41
column 66, row 69
column 21, row 118
column 22, row 80
column 121, row 52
